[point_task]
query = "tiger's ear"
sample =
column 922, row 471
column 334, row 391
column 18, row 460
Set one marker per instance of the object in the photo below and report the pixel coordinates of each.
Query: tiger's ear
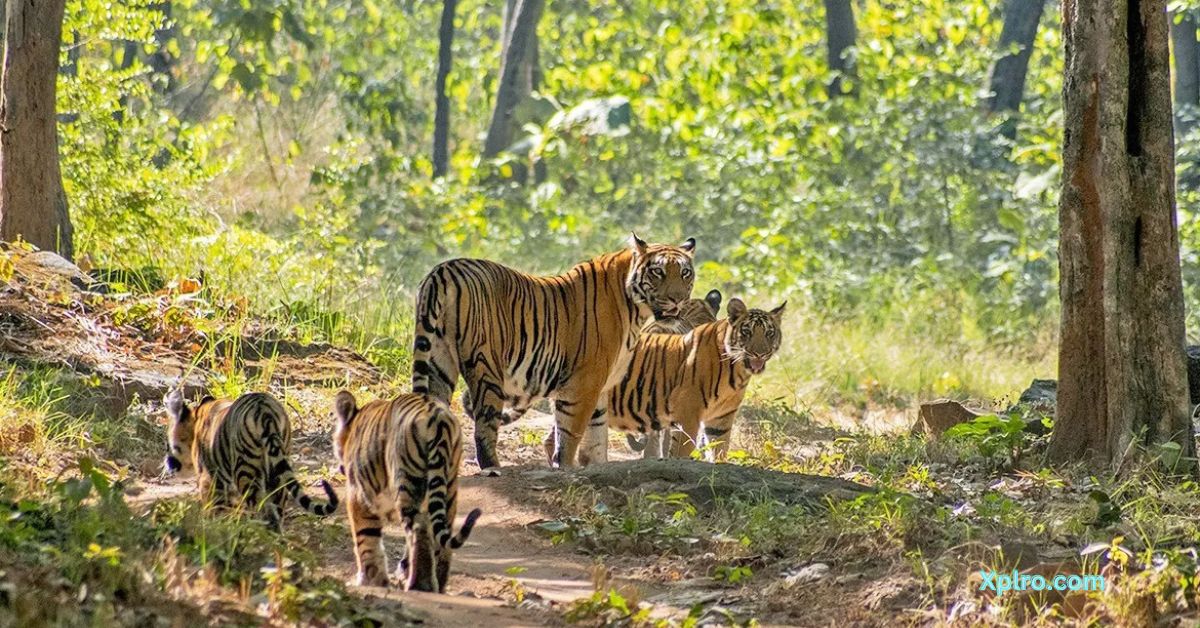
column 689, row 245
column 735, row 309
column 174, row 404
column 713, row 300
column 345, row 406
column 637, row 244
column 777, row 313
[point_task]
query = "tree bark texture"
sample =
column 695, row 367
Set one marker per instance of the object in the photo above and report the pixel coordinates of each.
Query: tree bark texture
column 1007, row 81
column 1122, row 370
column 840, row 36
column 517, row 71
column 441, row 117
column 33, row 205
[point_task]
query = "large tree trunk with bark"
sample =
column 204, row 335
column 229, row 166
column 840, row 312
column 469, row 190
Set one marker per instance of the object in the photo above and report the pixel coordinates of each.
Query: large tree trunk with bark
column 1122, row 372
column 441, row 117
column 32, row 203
column 1007, row 81
column 1187, row 64
column 518, row 71
column 840, row 34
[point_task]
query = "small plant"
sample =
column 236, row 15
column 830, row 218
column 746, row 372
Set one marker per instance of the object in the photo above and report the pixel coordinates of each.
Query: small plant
column 993, row 435
column 732, row 574
column 515, row 586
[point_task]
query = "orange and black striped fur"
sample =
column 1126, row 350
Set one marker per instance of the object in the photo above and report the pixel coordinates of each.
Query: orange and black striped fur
column 516, row 338
column 401, row 460
column 696, row 379
column 692, row 314
column 238, row 449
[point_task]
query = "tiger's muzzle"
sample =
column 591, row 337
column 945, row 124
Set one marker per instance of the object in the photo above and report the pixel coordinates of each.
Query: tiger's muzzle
column 756, row 364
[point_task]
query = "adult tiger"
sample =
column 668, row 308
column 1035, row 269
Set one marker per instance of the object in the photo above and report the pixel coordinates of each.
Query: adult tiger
column 238, row 448
column 694, row 379
column 401, row 460
column 516, row 338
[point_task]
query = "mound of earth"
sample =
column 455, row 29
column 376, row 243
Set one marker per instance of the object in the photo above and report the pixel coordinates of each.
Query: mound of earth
column 138, row 346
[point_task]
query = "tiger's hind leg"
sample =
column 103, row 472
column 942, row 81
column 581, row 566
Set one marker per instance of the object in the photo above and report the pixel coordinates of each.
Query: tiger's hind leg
column 366, row 530
column 487, row 410
column 420, row 571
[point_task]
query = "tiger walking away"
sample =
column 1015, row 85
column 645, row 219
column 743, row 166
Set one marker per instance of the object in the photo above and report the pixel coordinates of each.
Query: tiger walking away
column 698, row 379
column 516, row 338
column 401, row 459
column 239, row 452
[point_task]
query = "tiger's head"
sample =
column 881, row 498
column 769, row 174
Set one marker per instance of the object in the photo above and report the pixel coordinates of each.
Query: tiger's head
column 753, row 336
column 661, row 276
column 695, row 312
column 181, row 430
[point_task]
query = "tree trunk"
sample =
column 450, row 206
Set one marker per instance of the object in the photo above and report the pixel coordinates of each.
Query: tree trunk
column 441, row 117
column 1007, row 82
column 840, row 34
column 1187, row 66
column 32, row 203
column 516, row 72
column 1122, row 371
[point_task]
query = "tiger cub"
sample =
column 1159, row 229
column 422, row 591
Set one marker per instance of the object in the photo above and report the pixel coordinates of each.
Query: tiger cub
column 696, row 379
column 691, row 314
column 401, row 460
column 238, row 449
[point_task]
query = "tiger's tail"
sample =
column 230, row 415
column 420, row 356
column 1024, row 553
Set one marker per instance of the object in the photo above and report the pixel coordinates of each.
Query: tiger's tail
column 435, row 368
column 282, row 476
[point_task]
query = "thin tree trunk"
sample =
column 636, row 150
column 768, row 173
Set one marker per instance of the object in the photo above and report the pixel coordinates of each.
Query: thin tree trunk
column 1122, row 372
column 1007, row 82
column 1187, row 66
column 515, row 75
column 441, row 117
column 840, row 34
column 33, row 205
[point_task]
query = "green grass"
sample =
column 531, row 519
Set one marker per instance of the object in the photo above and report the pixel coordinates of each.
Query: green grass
column 825, row 364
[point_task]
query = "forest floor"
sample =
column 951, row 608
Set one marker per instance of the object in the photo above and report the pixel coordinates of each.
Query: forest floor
column 818, row 519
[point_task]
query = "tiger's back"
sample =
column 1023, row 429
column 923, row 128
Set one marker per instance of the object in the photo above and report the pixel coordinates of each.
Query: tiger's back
column 401, row 459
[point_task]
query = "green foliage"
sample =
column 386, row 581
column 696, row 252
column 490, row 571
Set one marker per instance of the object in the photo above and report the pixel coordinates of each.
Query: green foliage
column 993, row 434
column 711, row 120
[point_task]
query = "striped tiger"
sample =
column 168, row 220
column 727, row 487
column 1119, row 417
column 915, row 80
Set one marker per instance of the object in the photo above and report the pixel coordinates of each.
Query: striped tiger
column 238, row 449
column 694, row 312
column 516, row 338
column 696, row 379
column 401, row 460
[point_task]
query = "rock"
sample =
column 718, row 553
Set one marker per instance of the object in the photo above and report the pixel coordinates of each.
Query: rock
column 1193, row 371
column 1036, row 402
column 1042, row 394
column 935, row 417
column 808, row 573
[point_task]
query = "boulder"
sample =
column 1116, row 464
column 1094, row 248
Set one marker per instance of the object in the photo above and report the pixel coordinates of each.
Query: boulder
column 935, row 417
column 1193, row 371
